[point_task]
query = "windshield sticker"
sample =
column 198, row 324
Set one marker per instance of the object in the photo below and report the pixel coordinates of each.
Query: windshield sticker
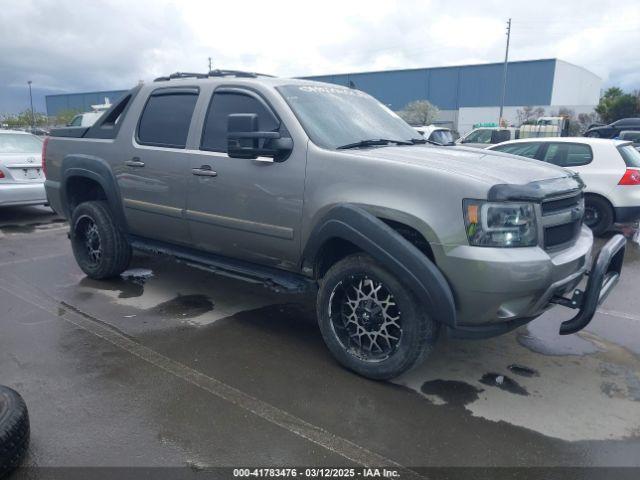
column 333, row 90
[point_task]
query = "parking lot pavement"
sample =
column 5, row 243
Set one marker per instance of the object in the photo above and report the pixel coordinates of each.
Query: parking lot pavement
column 175, row 366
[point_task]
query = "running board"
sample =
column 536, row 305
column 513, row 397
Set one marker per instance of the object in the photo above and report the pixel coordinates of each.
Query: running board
column 272, row 278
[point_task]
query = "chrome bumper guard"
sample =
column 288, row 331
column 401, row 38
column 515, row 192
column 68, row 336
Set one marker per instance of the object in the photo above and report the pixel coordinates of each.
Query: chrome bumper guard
column 603, row 277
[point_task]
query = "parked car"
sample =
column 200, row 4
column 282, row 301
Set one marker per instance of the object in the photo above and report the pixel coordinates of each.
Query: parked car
column 21, row 174
column 307, row 185
column 613, row 129
column 610, row 170
column 483, row 137
column 436, row 134
column 631, row 136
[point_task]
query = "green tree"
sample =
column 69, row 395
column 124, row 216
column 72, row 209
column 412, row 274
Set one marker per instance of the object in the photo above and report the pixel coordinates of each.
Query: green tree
column 65, row 116
column 615, row 104
column 23, row 119
column 419, row 112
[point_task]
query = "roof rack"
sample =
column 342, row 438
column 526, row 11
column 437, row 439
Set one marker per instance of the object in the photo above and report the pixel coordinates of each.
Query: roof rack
column 212, row 73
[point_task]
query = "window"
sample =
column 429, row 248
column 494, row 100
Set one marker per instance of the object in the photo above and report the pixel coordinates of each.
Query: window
column 76, row 122
column 334, row 116
column 630, row 155
column 523, row 149
column 223, row 104
column 568, row 154
column 479, row 136
column 19, row 143
column 166, row 117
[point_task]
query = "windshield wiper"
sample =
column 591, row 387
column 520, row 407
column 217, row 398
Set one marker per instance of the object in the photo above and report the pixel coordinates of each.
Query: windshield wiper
column 373, row 142
column 416, row 141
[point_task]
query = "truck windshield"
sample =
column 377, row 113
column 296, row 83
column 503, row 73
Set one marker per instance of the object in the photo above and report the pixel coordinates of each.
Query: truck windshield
column 338, row 116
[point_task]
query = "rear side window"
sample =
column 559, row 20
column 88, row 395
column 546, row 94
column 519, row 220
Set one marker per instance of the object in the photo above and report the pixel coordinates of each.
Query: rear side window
column 523, row 149
column 568, row 154
column 630, row 155
column 166, row 117
column 214, row 135
column 479, row 136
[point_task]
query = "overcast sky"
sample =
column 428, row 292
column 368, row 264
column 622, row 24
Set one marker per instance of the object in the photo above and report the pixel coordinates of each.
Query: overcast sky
column 73, row 46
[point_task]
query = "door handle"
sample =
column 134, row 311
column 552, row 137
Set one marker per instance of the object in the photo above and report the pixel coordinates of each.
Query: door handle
column 134, row 162
column 204, row 171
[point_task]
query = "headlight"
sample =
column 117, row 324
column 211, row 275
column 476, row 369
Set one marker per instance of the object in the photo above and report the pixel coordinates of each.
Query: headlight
column 500, row 224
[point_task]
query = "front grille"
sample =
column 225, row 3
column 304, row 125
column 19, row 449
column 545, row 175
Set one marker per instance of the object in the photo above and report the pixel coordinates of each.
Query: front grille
column 553, row 206
column 560, row 234
column 562, row 220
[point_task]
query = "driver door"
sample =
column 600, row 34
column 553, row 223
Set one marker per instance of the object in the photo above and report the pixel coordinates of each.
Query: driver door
column 244, row 208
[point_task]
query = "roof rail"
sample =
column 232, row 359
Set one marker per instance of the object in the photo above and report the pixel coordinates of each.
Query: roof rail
column 212, row 73
column 236, row 73
column 181, row 75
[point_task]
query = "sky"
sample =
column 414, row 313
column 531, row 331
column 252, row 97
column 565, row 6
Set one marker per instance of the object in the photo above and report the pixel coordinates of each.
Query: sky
column 75, row 46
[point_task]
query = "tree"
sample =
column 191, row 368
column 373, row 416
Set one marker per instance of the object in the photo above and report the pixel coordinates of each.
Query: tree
column 65, row 116
column 419, row 112
column 23, row 119
column 528, row 114
column 615, row 104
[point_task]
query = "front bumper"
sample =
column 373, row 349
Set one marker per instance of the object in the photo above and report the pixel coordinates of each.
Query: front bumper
column 22, row 194
column 602, row 278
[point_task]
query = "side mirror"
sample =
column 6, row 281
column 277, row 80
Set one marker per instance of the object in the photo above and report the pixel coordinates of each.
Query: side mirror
column 245, row 140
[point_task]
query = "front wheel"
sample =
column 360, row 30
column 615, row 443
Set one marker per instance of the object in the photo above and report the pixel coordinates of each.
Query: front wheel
column 100, row 248
column 370, row 322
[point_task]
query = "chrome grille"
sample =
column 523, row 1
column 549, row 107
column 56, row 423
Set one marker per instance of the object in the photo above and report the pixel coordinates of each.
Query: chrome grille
column 562, row 220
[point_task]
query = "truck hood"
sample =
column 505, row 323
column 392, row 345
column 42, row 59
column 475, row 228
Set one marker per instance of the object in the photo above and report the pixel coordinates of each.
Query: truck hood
column 485, row 166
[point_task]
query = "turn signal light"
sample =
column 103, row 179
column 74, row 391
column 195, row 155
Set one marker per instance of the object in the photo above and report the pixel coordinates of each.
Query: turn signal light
column 1, row 174
column 630, row 177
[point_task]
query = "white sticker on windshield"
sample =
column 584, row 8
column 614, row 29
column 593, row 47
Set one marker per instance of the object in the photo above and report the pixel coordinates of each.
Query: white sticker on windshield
column 334, row 90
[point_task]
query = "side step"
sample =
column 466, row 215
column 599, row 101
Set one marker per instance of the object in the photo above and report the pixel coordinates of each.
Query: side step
column 272, row 278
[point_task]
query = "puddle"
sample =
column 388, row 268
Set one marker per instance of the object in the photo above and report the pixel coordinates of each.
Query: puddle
column 183, row 306
column 126, row 288
column 31, row 227
column 451, row 392
column 542, row 337
column 503, row 383
column 523, row 371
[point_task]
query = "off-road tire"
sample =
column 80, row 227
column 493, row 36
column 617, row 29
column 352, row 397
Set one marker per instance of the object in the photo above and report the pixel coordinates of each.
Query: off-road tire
column 115, row 249
column 604, row 212
column 419, row 331
column 14, row 430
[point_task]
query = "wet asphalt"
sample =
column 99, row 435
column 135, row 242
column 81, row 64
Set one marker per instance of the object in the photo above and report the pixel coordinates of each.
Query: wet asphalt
column 173, row 366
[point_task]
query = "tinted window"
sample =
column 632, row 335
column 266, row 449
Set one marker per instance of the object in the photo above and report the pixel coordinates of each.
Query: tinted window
column 214, row 135
column 166, row 118
column 522, row 149
column 630, row 155
column 479, row 136
column 76, row 122
column 441, row 136
column 568, row 154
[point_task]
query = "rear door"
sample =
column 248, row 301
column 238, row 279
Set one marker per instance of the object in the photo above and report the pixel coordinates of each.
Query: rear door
column 152, row 175
column 243, row 208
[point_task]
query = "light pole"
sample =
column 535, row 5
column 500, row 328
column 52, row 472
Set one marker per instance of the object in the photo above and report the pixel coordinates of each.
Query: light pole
column 504, row 73
column 33, row 118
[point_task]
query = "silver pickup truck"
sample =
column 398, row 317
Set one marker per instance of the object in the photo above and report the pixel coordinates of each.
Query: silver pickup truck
column 304, row 185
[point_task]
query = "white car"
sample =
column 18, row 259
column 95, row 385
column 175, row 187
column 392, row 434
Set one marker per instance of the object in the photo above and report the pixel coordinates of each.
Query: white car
column 21, row 175
column 433, row 133
column 610, row 170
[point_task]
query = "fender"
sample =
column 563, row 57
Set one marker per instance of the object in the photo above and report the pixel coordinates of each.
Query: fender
column 356, row 225
column 96, row 169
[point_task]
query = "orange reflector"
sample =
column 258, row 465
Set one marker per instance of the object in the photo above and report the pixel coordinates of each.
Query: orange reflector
column 472, row 213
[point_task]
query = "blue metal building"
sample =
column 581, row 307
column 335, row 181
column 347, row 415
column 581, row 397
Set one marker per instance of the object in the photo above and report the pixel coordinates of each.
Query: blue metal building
column 464, row 94
column 79, row 102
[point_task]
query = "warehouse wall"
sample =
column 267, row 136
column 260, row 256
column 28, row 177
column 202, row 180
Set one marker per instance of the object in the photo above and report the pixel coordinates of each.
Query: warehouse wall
column 80, row 101
column 573, row 85
column 450, row 88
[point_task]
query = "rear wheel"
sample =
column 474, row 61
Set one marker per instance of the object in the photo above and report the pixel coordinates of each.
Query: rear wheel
column 598, row 214
column 14, row 430
column 100, row 248
column 370, row 322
